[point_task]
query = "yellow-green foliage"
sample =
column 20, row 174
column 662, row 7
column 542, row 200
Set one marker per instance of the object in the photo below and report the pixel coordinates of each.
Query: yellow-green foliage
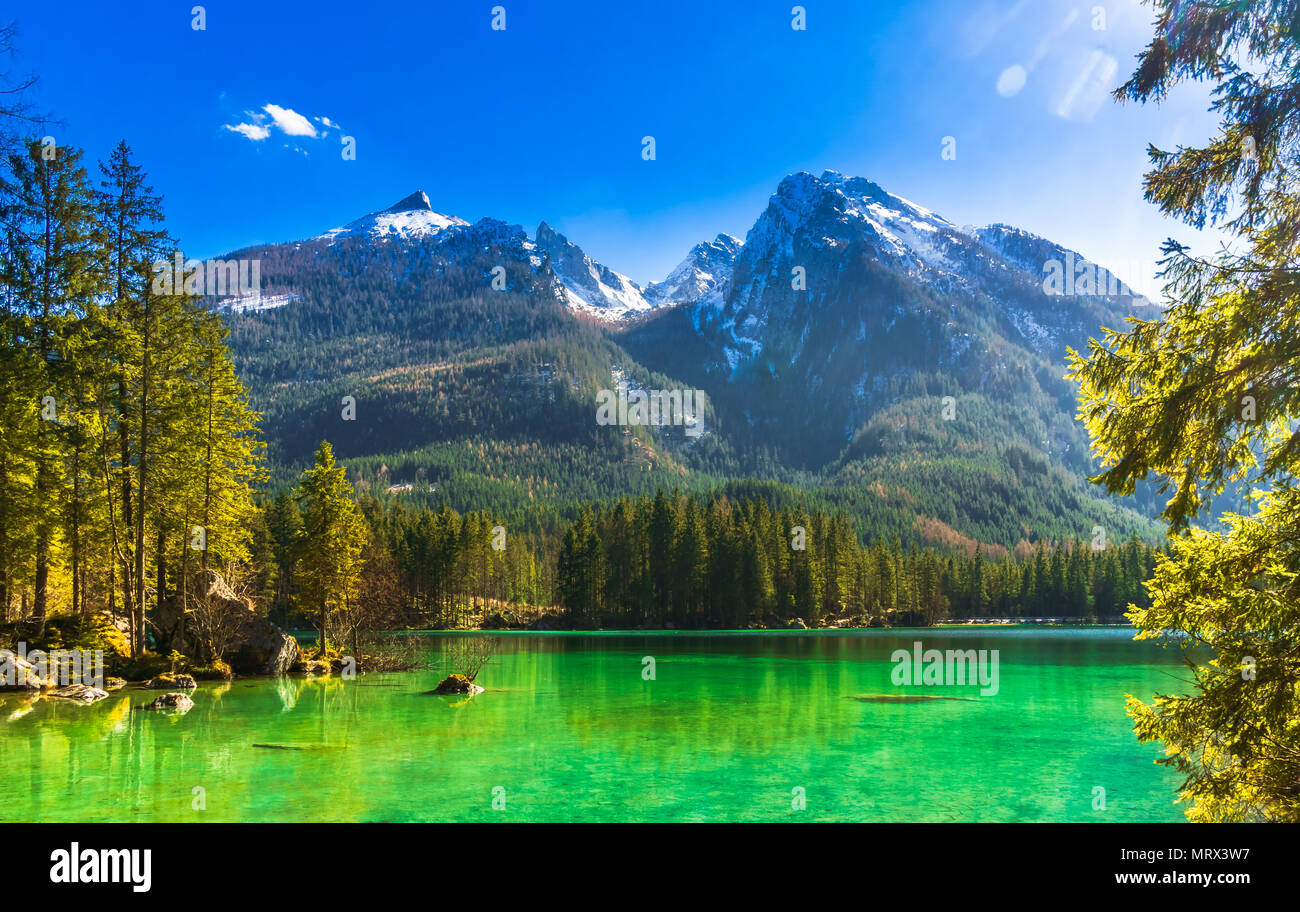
column 1206, row 392
column 1233, row 595
column 219, row 670
column 76, row 632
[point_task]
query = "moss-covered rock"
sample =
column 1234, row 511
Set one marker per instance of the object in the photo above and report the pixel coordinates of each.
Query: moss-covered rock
column 89, row 632
column 313, row 666
column 217, row 671
column 167, row 679
column 456, row 685
column 170, row 702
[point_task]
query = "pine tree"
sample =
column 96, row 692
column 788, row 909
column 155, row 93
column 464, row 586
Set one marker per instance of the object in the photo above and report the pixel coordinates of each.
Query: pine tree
column 53, row 276
column 21, row 390
column 690, row 567
column 1208, row 391
column 333, row 537
column 130, row 217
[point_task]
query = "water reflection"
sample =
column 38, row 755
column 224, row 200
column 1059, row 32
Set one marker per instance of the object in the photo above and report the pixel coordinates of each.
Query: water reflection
column 571, row 729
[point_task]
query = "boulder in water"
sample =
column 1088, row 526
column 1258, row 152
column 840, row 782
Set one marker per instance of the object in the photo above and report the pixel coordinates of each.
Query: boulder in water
column 16, row 673
column 171, row 702
column 456, row 685
column 166, row 679
column 263, row 648
column 81, row 693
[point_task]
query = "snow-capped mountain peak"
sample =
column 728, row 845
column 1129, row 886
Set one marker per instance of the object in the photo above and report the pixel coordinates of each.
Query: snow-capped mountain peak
column 410, row 217
column 702, row 277
column 834, row 211
column 588, row 286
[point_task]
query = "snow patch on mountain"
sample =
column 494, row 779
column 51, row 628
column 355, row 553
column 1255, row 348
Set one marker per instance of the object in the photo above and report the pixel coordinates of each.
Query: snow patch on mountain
column 256, row 303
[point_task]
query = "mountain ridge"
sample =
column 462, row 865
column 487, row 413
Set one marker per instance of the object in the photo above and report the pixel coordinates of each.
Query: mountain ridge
column 828, row 344
column 914, row 235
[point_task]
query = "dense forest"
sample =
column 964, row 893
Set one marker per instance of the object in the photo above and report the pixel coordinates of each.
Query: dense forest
column 708, row 561
column 675, row 561
column 128, row 453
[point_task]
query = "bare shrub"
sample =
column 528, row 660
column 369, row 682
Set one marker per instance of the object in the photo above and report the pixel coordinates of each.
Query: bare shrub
column 468, row 655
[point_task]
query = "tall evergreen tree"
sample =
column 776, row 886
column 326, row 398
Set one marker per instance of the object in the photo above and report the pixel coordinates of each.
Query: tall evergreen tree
column 53, row 276
column 1208, row 391
column 130, row 217
column 333, row 537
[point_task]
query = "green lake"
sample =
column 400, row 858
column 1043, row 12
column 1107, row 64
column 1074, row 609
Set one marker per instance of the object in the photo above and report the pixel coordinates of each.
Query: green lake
column 734, row 726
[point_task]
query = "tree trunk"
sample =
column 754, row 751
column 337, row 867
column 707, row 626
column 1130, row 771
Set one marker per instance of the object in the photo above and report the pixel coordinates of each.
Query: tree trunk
column 160, row 564
column 78, row 597
column 138, row 643
column 40, row 584
column 128, row 583
column 42, row 473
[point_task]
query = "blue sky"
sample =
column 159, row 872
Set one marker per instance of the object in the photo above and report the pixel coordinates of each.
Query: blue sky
column 544, row 120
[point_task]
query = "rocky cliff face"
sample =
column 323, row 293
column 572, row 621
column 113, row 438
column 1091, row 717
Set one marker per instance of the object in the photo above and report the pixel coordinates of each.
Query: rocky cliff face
column 589, row 287
column 704, row 277
column 845, row 298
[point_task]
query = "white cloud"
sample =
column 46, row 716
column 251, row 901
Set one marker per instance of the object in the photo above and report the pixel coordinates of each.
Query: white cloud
column 290, row 122
column 255, row 132
column 258, row 125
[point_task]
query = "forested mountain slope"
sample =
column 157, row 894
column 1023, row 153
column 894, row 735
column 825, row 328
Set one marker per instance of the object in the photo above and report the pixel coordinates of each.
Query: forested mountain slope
column 459, row 362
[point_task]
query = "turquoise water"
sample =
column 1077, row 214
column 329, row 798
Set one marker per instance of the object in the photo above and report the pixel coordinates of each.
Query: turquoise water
column 732, row 726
